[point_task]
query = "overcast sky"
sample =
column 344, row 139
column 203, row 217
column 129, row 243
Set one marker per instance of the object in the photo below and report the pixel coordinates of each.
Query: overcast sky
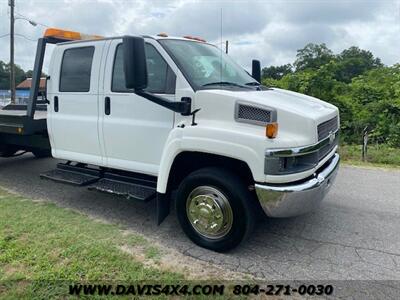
column 271, row 31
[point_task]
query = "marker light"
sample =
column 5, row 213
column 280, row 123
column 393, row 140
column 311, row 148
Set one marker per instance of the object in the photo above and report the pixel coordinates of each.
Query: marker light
column 69, row 35
column 162, row 34
column 271, row 130
column 194, row 38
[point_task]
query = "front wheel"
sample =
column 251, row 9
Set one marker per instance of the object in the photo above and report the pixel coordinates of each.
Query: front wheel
column 215, row 209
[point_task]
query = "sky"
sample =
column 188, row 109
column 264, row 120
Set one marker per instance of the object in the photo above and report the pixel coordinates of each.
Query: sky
column 271, row 31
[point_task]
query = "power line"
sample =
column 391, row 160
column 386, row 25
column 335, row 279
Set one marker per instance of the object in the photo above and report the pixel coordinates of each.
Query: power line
column 19, row 35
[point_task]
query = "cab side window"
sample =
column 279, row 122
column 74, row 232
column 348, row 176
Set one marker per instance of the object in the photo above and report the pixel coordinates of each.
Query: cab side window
column 76, row 69
column 161, row 79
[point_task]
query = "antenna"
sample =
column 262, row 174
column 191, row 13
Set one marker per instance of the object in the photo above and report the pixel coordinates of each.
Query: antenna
column 220, row 62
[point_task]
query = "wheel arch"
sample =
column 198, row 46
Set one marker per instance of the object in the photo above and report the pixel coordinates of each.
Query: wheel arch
column 186, row 162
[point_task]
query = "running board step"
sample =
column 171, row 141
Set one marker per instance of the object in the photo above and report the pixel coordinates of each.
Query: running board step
column 74, row 175
column 125, row 189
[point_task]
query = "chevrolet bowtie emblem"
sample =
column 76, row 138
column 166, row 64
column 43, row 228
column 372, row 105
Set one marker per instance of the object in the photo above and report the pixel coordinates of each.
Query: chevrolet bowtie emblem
column 332, row 136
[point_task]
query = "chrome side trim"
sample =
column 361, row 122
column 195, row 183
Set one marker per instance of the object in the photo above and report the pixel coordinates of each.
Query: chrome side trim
column 302, row 150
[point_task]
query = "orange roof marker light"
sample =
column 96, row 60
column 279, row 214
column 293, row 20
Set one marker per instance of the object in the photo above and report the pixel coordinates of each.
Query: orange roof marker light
column 162, row 34
column 194, row 38
column 69, row 35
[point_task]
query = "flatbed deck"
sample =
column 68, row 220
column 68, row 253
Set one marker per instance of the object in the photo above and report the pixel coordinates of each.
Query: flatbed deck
column 20, row 113
column 14, row 119
column 24, row 127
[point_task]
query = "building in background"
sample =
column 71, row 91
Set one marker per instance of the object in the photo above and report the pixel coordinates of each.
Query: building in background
column 23, row 89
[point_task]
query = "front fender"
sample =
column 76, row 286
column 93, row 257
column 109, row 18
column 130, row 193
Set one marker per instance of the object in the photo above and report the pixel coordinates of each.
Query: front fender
column 228, row 143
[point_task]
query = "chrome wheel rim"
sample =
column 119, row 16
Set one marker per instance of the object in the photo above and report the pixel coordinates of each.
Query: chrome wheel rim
column 209, row 212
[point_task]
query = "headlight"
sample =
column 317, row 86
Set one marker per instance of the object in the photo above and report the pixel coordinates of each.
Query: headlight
column 300, row 159
column 290, row 164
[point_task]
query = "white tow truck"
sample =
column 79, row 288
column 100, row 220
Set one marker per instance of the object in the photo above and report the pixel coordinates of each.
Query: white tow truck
column 147, row 117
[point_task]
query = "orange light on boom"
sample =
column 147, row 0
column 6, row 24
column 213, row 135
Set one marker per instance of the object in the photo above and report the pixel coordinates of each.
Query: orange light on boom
column 69, row 35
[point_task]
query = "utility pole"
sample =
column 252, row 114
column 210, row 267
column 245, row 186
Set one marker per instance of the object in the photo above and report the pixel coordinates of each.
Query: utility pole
column 11, row 3
column 226, row 46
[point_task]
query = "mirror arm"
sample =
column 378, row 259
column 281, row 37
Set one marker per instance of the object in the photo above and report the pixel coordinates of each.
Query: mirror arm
column 182, row 107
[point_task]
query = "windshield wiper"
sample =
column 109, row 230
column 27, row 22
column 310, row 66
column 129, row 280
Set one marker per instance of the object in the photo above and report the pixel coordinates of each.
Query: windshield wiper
column 253, row 83
column 225, row 83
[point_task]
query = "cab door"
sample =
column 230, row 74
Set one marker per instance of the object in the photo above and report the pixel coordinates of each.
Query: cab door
column 134, row 129
column 73, row 113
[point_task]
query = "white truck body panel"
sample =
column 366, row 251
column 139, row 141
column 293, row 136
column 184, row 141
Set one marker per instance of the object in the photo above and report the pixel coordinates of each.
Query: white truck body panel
column 141, row 136
column 134, row 134
column 74, row 130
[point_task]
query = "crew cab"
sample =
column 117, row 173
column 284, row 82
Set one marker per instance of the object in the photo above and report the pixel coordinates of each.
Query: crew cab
column 159, row 117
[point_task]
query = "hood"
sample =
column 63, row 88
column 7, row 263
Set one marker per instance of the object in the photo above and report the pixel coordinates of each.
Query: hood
column 285, row 100
column 298, row 115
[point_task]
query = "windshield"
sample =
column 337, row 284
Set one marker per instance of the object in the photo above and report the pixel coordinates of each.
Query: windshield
column 205, row 65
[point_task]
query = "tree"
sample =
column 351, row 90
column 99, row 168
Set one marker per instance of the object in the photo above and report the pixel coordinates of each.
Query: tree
column 276, row 72
column 312, row 56
column 29, row 74
column 5, row 75
column 353, row 62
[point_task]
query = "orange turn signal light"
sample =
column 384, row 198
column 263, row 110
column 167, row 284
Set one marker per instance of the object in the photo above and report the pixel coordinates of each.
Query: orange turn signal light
column 271, row 130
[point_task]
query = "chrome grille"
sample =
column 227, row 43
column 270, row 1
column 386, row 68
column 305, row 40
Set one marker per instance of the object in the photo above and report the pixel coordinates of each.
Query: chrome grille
column 324, row 151
column 326, row 127
column 253, row 113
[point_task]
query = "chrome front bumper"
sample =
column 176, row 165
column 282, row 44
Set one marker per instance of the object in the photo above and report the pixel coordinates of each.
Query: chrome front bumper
column 291, row 200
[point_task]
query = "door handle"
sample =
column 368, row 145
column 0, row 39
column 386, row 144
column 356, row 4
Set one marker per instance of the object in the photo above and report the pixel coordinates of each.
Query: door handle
column 56, row 104
column 107, row 106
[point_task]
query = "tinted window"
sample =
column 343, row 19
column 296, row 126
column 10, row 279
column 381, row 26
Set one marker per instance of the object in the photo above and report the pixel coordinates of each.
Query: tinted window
column 160, row 77
column 75, row 70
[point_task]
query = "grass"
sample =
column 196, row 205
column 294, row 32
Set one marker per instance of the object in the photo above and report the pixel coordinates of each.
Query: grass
column 377, row 156
column 42, row 245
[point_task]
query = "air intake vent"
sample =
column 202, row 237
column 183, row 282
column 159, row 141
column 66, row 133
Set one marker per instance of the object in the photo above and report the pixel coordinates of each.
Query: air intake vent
column 326, row 127
column 254, row 114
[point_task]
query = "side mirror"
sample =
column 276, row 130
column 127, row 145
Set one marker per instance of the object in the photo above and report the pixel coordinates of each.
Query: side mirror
column 256, row 70
column 135, row 66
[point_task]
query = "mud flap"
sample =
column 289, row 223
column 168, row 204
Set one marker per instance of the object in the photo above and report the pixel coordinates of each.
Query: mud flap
column 163, row 202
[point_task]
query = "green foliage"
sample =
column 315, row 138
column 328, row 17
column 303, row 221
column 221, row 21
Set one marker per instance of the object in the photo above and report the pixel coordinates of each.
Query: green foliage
column 353, row 62
column 276, row 72
column 366, row 92
column 312, row 56
column 380, row 154
column 20, row 75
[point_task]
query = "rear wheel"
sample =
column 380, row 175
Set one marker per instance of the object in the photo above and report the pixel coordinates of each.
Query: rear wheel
column 215, row 209
column 41, row 153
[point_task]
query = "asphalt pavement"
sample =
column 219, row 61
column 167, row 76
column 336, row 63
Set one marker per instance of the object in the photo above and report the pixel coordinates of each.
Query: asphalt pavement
column 355, row 234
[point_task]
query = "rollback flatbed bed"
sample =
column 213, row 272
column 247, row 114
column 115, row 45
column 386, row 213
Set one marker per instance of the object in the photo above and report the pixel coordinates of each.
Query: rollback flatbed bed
column 24, row 127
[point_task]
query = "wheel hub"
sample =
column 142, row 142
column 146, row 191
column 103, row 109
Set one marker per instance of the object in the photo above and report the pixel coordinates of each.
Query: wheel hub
column 209, row 212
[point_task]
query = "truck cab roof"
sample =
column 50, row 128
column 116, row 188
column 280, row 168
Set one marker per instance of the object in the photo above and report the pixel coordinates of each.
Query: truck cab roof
column 154, row 37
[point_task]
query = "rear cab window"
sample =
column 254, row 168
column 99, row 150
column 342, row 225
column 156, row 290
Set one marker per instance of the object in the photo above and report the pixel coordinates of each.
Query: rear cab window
column 76, row 67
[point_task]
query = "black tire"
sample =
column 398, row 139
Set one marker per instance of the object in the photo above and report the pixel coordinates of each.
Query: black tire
column 41, row 153
column 240, row 199
column 7, row 150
